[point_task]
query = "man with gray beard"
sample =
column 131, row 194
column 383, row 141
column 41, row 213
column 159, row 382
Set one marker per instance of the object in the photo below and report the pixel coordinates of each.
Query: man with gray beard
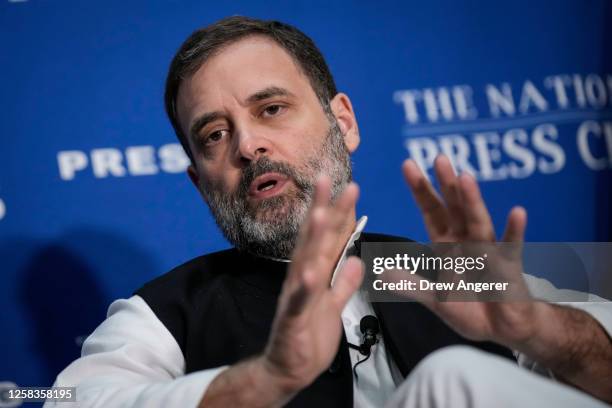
column 278, row 319
column 271, row 227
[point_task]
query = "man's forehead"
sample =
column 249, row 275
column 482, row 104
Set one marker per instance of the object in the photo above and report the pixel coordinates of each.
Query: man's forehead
column 238, row 71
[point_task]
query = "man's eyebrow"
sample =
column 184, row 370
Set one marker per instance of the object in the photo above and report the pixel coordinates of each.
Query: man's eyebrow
column 202, row 121
column 267, row 93
column 258, row 96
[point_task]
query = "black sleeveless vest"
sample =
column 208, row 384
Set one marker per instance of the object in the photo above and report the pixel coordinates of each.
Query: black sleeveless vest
column 219, row 308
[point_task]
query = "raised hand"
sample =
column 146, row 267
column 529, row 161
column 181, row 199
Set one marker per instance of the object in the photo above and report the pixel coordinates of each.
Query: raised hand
column 307, row 326
column 460, row 215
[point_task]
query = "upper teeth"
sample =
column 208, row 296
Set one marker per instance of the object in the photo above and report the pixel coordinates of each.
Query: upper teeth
column 267, row 187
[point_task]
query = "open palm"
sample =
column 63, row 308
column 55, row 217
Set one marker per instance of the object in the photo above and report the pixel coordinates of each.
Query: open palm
column 459, row 215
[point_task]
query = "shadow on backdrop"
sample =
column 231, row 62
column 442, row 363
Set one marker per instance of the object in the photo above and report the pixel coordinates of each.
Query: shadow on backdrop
column 65, row 288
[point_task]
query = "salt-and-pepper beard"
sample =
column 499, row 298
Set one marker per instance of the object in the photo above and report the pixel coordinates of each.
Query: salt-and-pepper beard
column 271, row 227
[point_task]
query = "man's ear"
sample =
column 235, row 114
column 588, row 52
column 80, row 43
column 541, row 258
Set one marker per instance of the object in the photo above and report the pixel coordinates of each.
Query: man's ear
column 343, row 111
column 195, row 178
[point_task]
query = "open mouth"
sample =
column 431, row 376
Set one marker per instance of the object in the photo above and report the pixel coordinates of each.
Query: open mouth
column 267, row 185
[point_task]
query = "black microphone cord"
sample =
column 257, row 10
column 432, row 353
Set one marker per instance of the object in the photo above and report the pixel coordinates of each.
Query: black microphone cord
column 369, row 328
column 359, row 362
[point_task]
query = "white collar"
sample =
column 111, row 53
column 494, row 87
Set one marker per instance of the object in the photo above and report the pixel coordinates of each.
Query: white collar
column 349, row 245
column 361, row 223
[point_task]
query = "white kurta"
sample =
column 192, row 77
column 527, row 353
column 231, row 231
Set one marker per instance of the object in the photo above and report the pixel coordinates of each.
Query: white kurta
column 132, row 360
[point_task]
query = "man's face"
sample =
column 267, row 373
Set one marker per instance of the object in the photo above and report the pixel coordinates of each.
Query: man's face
column 260, row 138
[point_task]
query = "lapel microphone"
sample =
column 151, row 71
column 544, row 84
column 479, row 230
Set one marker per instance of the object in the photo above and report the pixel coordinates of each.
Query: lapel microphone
column 369, row 329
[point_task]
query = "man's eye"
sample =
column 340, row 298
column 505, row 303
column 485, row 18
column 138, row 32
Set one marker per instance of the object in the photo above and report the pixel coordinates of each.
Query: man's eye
column 272, row 110
column 215, row 137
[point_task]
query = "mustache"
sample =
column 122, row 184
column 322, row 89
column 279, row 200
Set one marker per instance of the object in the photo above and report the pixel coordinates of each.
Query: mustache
column 265, row 165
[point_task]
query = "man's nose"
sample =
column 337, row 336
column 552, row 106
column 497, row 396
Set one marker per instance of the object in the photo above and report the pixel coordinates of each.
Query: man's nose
column 252, row 145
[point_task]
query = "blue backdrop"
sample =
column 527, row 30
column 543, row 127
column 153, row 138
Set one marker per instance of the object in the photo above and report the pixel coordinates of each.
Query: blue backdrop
column 93, row 196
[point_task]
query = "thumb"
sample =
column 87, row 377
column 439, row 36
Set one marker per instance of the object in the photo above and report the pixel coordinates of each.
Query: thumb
column 349, row 279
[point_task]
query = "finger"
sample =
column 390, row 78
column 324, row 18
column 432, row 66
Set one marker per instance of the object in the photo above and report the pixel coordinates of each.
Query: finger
column 516, row 225
column 322, row 194
column 347, row 199
column 349, row 279
column 321, row 197
column 299, row 294
column 434, row 212
column 310, row 271
column 449, row 186
column 300, row 285
column 426, row 297
column 332, row 242
column 344, row 203
column 320, row 248
column 306, row 246
column 305, row 249
column 326, row 250
column 478, row 221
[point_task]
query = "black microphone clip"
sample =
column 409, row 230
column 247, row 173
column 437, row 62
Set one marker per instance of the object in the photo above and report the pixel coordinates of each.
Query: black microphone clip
column 369, row 329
